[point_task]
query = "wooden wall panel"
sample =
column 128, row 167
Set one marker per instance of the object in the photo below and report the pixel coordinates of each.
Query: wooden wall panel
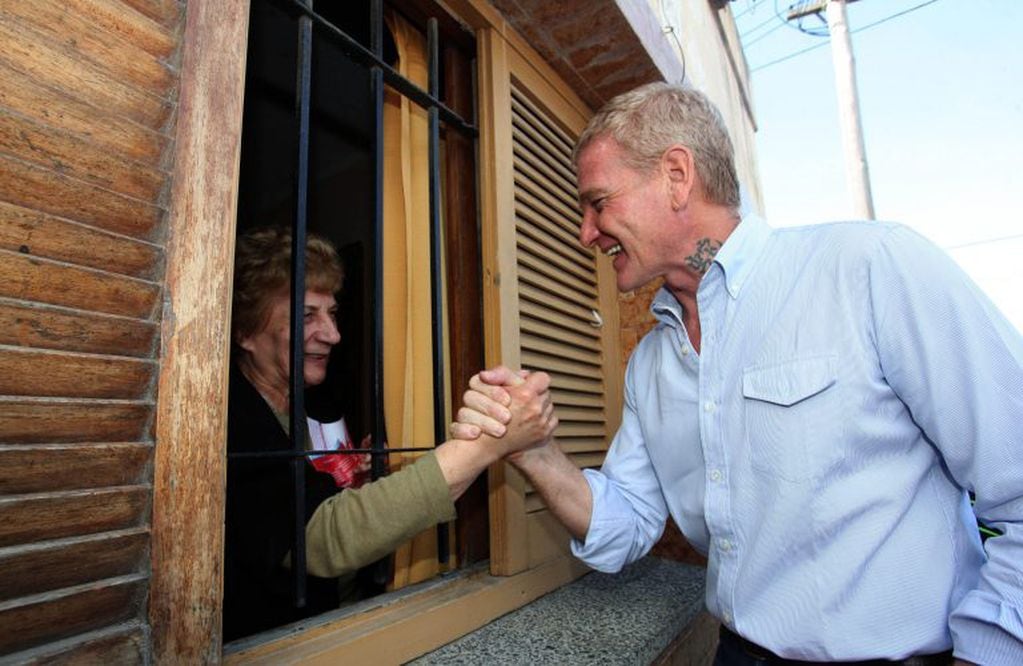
column 118, row 17
column 87, row 104
column 51, row 565
column 51, row 373
column 60, row 68
column 47, row 327
column 32, row 420
column 24, row 94
column 80, row 37
column 36, row 468
column 78, row 158
column 165, row 12
column 30, row 621
column 53, row 192
column 56, row 283
column 123, row 643
column 57, row 515
column 31, row 232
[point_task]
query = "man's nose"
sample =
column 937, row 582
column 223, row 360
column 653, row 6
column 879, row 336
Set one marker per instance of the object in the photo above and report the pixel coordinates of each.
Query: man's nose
column 588, row 232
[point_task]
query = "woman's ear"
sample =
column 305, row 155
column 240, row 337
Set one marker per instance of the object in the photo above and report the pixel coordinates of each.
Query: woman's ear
column 680, row 170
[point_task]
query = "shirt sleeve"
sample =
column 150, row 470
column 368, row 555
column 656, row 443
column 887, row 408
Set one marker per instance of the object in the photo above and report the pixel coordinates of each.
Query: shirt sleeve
column 359, row 526
column 957, row 363
column 629, row 511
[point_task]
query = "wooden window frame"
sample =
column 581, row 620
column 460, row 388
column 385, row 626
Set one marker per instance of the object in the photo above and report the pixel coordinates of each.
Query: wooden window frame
column 190, row 463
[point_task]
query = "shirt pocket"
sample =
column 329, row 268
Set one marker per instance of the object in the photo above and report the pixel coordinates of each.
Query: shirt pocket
column 792, row 417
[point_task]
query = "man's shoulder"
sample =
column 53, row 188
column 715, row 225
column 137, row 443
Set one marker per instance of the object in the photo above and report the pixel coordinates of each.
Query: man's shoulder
column 850, row 240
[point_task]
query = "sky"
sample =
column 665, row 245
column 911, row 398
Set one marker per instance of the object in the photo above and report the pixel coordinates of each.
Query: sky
column 941, row 104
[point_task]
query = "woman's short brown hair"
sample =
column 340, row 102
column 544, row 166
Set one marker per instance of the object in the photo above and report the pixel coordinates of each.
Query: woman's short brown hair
column 262, row 271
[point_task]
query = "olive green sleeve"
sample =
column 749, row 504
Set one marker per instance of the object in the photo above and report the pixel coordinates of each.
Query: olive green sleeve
column 359, row 526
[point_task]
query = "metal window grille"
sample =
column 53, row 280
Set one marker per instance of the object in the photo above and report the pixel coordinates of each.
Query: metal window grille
column 381, row 75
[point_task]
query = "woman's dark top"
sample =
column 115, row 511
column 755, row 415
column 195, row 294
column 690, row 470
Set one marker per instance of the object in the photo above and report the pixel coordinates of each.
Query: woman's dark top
column 259, row 521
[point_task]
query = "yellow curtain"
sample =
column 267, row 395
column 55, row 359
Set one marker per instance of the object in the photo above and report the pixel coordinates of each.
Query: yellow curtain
column 408, row 357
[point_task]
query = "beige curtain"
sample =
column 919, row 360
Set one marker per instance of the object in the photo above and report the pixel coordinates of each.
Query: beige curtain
column 408, row 357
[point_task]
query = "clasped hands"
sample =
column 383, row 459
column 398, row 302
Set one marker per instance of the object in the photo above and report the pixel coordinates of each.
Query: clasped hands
column 514, row 408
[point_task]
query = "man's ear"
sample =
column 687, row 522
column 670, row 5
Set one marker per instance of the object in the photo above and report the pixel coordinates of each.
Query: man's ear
column 678, row 166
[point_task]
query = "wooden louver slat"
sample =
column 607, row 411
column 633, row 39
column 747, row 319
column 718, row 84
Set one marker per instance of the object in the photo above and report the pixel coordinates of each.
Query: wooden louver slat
column 36, row 468
column 557, row 280
column 41, row 516
column 49, row 327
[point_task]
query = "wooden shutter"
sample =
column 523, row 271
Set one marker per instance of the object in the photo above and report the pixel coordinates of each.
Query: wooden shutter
column 553, row 306
column 86, row 91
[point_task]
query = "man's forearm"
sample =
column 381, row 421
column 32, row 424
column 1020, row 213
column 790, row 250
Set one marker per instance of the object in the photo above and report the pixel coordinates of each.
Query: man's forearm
column 561, row 485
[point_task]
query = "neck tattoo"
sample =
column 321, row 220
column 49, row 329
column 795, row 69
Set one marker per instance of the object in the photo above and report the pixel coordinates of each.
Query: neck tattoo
column 700, row 260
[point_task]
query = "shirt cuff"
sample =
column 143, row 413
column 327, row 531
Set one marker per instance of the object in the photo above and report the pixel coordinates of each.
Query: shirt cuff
column 987, row 630
column 607, row 545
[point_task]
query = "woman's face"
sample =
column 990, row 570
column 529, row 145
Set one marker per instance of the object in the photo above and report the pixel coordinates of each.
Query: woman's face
column 269, row 348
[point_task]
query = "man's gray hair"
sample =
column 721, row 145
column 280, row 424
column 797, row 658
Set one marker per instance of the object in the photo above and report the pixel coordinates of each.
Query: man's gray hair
column 648, row 120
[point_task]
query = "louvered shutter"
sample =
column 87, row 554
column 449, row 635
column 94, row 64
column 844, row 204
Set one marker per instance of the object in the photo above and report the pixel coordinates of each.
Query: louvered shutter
column 558, row 305
column 86, row 92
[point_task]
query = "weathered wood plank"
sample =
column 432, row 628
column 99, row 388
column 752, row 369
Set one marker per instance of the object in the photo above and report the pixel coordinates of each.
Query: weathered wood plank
column 117, row 16
column 185, row 592
column 67, row 154
column 64, row 71
column 123, row 643
column 44, row 281
column 165, row 12
column 51, row 373
column 29, row 421
column 51, row 565
column 31, row 621
column 32, row 232
column 35, row 468
column 76, row 35
column 38, row 517
column 47, row 327
column 36, row 187
column 26, row 95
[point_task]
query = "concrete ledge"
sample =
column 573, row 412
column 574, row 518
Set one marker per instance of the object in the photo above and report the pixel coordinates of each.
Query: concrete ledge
column 633, row 617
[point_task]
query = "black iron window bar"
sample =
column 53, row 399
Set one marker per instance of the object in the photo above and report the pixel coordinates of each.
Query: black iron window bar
column 381, row 74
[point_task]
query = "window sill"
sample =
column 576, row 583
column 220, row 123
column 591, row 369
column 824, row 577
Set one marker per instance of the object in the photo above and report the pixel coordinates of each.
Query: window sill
column 652, row 612
column 397, row 627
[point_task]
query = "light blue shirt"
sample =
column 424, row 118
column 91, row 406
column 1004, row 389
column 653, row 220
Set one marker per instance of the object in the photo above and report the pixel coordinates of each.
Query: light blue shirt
column 851, row 386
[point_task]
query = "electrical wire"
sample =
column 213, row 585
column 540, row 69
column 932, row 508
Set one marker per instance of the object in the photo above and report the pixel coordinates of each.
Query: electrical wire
column 772, row 30
column 669, row 29
column 851, row 32
column 985, row 241
column 752, row 5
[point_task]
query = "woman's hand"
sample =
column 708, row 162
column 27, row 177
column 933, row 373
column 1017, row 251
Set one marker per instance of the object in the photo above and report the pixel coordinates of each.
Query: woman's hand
column 514, row 407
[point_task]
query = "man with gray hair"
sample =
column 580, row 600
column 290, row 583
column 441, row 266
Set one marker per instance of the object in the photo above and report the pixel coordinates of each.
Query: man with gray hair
column 814, row 408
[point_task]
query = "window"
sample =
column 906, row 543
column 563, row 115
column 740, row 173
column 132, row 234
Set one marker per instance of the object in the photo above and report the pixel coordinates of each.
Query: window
column 355, row 149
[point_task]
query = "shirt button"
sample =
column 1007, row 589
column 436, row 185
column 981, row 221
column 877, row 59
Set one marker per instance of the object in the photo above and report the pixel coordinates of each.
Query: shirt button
column 685, row 350
column 727, row 617
column 725, row 545
column 708, row 406
column 715, row 475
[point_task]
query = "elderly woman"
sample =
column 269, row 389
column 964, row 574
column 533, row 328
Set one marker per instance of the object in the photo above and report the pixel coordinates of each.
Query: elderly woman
column 346, row 528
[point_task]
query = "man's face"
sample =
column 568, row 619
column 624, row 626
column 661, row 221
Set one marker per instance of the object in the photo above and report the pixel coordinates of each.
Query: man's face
column 269, row 348
column 626, row 214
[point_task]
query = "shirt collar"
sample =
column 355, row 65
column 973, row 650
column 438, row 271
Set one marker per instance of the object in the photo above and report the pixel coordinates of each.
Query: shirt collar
column 742, row 248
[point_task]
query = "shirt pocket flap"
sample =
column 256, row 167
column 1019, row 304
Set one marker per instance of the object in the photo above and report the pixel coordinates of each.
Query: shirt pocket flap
column 787, row 383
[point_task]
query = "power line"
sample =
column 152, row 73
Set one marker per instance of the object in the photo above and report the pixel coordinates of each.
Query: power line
column 760, row 25
column 751, row 43
column 985, row 241
column 752, row 5
column 852, row 32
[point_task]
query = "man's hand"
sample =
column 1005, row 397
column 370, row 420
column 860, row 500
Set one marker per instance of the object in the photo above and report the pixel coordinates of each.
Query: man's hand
column 514, row 406
column 485, row 404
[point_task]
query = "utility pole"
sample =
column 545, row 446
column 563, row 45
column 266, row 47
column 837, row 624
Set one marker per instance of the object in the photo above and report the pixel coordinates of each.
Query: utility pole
column 856, row 172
